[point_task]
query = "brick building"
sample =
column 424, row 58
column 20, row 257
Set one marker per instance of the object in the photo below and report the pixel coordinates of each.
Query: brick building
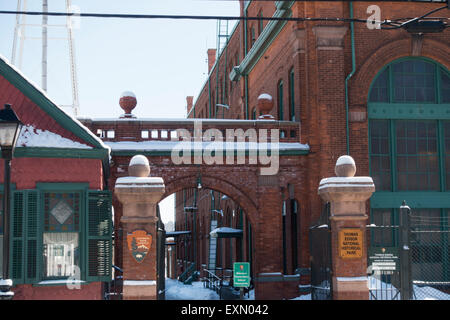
column 380, row 95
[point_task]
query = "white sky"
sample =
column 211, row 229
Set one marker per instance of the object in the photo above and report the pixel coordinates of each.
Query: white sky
column 161, row 61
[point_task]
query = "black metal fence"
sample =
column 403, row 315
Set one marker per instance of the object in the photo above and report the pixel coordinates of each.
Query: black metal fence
column 320, row 250
column 408, row 255
column 410, row 259
column 430, row 246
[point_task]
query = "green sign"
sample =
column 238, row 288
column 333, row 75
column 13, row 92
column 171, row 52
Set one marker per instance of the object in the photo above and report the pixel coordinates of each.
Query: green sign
column 241, row 274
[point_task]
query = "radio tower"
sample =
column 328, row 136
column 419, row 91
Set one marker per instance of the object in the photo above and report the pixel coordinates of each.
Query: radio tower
column 20, row 35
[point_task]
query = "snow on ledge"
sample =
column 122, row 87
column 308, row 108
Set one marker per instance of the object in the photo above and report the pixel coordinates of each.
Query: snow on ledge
column 6, row 282
column 63, row 281
column 32, row 137
column 346, row 279
column 139, row 182
column 139, row 283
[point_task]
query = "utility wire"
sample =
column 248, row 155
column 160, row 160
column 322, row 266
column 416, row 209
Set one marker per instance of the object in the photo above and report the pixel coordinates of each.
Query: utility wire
column 163, row 16
column 385, row 24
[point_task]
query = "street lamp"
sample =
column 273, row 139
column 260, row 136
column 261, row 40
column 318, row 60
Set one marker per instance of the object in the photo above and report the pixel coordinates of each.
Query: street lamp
column 10, row 127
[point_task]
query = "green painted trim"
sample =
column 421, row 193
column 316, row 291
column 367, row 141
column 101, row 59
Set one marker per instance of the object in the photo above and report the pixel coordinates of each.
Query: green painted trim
column 414, row 111
column 393, row 150
column 265, row 39
column 62, row 186
column 209, row 96
column 169, row 153
column 283, row 5
column 43, row 152
column 246, row 96
column 441, row 156
column 35, row 95
column 414, row 199
column 347, row 125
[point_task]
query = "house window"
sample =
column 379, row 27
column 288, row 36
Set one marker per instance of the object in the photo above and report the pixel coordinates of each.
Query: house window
column 61, row 234
column 61, row 231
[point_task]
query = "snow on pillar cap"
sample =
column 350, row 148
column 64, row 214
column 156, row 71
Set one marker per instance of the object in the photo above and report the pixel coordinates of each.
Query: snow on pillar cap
column 265, row 105
column 345, row 166
column 128, row 94
column 139, row 166
column 127, row 102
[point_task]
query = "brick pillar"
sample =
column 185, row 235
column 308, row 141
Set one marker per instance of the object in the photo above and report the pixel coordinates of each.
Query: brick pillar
column 347, row 196
column 139, row 195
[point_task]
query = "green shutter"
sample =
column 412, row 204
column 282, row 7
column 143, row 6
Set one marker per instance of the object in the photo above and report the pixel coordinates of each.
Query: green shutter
column 99, row 236
column 17, row 256
column 32, row 239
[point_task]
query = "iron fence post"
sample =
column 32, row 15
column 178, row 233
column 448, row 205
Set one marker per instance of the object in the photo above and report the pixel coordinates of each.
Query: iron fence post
column 406, row 288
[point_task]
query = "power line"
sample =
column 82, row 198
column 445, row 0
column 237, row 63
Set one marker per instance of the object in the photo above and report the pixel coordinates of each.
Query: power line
column 391, row 24
column 163, row 16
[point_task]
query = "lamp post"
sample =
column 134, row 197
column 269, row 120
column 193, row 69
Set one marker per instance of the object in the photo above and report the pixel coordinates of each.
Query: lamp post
column 10, row 127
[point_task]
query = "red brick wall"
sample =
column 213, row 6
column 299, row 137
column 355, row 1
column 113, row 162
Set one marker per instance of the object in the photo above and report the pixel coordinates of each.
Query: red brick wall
column 26, row 172
column 92, row 291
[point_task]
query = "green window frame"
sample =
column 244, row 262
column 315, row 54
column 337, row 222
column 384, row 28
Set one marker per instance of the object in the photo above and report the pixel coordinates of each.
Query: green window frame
column 292, row 95
column 409, row 142
column 28, row 228
column 280, row 100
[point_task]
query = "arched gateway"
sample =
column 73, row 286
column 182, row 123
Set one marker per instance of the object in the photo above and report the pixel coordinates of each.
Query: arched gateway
column 257, row 165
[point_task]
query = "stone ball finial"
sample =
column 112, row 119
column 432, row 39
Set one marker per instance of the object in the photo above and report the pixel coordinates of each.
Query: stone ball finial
column 139, row 166
column 345, row 167
column 265, row 103
column 127, row 101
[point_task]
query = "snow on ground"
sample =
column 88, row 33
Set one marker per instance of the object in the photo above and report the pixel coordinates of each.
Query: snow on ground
column 176, row 290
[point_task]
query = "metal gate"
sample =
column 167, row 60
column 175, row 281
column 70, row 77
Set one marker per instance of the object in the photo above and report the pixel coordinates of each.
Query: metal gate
column 410, row 259
column 320, row 249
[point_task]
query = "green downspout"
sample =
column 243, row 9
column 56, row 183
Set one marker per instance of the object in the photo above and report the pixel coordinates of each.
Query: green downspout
column 348, row 78
column 225, row 78
column 216, row 98
column 245, row 76
column 209, row 95
column 194, row 227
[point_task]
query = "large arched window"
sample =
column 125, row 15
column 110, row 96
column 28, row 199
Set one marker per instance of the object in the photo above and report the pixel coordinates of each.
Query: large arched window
column 409, row 127
column 409, row 149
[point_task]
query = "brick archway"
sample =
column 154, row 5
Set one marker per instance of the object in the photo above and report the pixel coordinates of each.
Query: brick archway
column 216, row 184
